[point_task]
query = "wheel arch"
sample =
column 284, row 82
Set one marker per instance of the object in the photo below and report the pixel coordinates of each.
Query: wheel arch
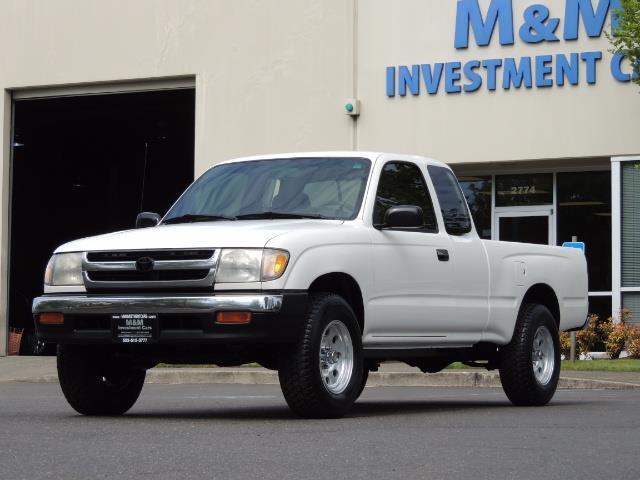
column 543, row 294
column 344, row 285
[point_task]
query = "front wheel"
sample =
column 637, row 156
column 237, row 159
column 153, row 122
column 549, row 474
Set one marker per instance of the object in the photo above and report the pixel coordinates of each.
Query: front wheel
column 530, row 363
column 96, row 384
column 321, row 376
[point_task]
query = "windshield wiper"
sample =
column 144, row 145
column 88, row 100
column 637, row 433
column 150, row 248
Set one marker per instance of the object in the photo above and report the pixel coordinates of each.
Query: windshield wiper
column 191, row 218
column 279, row 215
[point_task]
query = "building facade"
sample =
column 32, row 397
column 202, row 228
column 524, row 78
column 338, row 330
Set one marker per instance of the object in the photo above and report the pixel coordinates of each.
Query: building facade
column 524, row 100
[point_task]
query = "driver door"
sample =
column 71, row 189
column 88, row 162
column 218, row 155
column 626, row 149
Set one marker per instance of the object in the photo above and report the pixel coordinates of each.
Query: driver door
column 413, row 279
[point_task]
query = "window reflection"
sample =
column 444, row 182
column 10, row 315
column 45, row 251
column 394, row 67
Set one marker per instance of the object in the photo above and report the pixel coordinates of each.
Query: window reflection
column 584, row 211
column 518, row 190
column 477, row 190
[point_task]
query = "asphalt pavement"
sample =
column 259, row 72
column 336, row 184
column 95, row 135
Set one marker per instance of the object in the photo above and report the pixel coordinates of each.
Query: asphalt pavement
column 246, row 431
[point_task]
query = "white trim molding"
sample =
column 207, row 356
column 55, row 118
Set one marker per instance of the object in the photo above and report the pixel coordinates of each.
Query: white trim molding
column 616, row 234
column 102, row 88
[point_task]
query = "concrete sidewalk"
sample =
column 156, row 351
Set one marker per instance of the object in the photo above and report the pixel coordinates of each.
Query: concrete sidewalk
column 43, row 369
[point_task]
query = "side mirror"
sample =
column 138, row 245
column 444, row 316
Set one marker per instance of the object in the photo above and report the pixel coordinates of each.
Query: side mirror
column 147, row 219
column 404, row 216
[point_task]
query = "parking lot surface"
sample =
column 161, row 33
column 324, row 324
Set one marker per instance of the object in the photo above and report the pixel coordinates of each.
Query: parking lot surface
column 247, row 431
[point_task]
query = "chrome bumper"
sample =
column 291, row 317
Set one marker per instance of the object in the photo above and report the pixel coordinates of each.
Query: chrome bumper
column 86, row 304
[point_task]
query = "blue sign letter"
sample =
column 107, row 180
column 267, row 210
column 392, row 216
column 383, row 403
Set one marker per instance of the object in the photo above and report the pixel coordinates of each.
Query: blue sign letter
column 616, row 69
column 593, row 21
column 451, row 76
column 590, row 58
column 491, row 66
column 515, row 74
column 432, row 77
column 543, row 69
column 468, row 14
column 391, row 81
column 471, row 74
column 410, row 79
column 567, row 68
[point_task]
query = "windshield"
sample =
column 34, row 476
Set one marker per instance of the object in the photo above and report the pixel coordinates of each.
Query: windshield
column 328, row 188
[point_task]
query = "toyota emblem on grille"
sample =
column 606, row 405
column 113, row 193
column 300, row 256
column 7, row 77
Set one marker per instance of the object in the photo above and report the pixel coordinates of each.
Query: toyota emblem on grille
column 144, row 264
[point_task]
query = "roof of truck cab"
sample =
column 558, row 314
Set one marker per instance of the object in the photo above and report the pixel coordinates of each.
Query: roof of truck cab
column 336, row 154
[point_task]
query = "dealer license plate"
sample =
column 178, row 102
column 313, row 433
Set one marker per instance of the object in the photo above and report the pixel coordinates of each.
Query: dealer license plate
column 134, row 327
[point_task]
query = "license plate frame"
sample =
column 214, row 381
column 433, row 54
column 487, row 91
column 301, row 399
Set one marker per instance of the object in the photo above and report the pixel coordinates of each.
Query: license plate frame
column 135, row 328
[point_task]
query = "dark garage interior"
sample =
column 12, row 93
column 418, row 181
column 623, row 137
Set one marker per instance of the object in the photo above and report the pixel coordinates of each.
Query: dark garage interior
column 86, row 165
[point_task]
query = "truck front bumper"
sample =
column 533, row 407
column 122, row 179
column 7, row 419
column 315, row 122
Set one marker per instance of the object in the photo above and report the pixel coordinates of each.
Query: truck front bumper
column 182, row 319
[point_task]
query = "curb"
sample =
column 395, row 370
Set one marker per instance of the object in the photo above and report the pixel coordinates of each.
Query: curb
column 376, row 379
column 243, row 376
column 249, row 376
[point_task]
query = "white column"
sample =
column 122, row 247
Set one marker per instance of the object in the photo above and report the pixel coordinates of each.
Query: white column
column 5, row 182
column 616, row 236
column 616, row 300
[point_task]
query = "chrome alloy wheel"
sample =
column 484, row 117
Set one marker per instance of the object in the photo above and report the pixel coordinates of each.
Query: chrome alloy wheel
column 543, row 355
column 336, row 357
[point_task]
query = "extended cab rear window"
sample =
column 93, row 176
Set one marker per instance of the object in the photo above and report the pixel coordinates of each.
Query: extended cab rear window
column 452, row 203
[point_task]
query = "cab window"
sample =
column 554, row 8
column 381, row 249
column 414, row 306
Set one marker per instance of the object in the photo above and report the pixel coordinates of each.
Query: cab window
column 402, row 183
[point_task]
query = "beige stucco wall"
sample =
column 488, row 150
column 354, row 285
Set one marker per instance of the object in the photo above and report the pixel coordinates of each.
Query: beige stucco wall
column 557, row 122
column 272, row 76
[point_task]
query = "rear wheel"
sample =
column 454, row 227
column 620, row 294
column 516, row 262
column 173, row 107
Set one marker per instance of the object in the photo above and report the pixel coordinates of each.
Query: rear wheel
column 363, row 382
column 321, row 376
column 530, row 363
column 96, row 384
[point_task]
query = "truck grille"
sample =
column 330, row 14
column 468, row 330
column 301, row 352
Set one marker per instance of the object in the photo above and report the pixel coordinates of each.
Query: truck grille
column 158, row 255
column 134, row 276
column 149, row 269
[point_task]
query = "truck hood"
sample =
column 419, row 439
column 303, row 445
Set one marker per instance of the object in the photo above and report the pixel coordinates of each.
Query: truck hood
column 241, row 233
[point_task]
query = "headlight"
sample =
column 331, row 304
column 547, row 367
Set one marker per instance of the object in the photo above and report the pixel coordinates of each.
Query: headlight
column 251, row 265
column 239, row 266
column 64, row 269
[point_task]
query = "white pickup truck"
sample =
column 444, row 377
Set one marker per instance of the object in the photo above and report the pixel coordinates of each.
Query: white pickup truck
column 318, row 265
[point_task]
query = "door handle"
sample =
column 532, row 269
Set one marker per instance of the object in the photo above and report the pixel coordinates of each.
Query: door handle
column 443, row 255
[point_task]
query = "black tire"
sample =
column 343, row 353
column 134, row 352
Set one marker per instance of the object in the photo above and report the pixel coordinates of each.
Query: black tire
column 363, row 382
column 299, row 373
column 96, row 384
column 516, row 359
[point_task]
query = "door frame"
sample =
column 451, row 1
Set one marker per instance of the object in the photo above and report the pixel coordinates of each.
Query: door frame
column 518, row 212
column 13, row 94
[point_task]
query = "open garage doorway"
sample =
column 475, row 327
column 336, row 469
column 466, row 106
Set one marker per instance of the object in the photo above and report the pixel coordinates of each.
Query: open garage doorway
column 86, row 165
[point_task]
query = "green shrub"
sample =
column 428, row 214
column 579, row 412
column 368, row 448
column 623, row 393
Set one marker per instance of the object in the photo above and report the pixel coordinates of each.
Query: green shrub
column 565, row 344
column 587, row 339
column 633, row 341
column 614, row 335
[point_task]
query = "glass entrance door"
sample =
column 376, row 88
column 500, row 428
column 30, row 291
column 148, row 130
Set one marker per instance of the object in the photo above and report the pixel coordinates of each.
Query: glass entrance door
column 525, row 226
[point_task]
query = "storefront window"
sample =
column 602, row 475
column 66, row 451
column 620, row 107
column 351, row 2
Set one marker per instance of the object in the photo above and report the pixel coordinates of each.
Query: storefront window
column 600, row 306
column 631, row 302
column 630, row 224
column 477, row 190
column 584, row 212
column 630, row 237
column 519, row 190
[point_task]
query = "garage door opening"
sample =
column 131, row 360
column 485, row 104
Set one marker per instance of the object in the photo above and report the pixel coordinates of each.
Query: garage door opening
column 87, row 165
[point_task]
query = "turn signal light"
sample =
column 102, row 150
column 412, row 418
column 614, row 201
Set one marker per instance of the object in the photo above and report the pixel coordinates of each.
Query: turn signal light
column 280, row 264
column 238, row 318
column 51, row 318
